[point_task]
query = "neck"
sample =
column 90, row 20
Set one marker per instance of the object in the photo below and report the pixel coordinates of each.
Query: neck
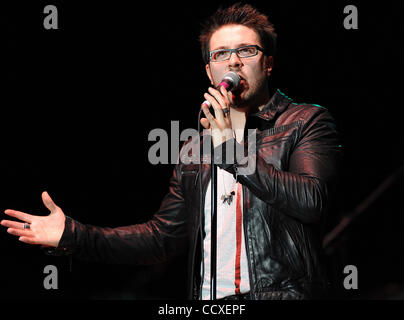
column 239, row 115
column 238, row 118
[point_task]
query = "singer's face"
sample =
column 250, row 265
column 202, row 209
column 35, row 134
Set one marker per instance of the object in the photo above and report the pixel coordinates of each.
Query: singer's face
column 253, row 71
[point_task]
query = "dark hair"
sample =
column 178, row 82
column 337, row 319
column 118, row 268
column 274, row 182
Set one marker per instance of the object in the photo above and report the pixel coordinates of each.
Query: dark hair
column 245, row 15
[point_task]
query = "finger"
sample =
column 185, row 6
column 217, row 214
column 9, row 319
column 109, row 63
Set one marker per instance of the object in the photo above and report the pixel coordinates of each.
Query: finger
column 218, row 95
column 225, row 95
column 205, row 123
column 208, row 115
column 217, row 103
column 221, row 96
column 48, row 202
column 29, row 240
column 20, row 232
column 19, row 215
column 217, row 108
column 12, row 224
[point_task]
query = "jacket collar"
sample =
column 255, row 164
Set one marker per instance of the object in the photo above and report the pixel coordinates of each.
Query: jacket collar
column 277, row 104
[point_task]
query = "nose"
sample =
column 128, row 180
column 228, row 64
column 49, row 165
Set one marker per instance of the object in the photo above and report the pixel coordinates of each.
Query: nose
column 234, row 61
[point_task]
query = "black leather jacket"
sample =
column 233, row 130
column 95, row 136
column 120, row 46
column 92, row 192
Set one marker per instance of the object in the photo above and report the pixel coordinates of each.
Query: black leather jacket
column 285, row 201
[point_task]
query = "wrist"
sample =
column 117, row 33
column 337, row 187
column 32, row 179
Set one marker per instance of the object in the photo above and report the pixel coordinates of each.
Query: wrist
column 221, row 136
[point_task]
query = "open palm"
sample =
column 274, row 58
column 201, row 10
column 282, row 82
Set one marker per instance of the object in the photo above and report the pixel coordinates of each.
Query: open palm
column 44, row 230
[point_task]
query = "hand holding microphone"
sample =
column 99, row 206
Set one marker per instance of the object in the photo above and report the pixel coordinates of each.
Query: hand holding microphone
column 220, row 124
column 230, row 82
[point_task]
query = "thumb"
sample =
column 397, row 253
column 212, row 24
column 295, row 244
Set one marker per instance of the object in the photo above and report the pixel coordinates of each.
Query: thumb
column 205, row 123
column 48, row 202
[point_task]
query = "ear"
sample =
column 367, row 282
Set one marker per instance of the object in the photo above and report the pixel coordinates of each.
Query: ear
column 209, row 73
column 269, row 65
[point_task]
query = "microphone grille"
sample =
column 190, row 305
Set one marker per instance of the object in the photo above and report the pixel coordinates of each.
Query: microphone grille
column 234, row 77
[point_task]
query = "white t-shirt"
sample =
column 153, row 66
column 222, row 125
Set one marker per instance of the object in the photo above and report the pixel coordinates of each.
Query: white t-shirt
column 227, row 244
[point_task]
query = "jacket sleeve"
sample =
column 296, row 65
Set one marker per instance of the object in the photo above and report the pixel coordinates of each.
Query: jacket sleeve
column 141, row 244
column 301, row 191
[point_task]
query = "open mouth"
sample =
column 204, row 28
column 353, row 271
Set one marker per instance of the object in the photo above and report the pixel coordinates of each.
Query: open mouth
column 242, row 80
column 241, row 86
column 241, row 77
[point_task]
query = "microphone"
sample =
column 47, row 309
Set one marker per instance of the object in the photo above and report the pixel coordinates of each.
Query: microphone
column 230, row 82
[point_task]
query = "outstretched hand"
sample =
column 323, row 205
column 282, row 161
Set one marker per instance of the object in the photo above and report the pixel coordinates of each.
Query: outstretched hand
column 44, row 230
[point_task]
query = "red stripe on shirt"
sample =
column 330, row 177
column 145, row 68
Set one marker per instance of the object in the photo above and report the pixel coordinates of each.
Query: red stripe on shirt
column 239, row 223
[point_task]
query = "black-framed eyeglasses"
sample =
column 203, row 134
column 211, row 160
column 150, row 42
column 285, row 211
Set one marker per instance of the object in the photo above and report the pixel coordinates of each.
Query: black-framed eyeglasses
column 242, row 52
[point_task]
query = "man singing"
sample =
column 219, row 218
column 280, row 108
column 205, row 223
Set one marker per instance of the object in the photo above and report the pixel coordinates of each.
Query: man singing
column 269, row 220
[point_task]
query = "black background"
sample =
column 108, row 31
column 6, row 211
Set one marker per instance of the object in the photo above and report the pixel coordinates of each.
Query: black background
column 78, row 103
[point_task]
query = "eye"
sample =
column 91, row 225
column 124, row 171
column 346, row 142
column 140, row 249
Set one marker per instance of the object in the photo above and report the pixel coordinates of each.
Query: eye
column 247, row 51
column 218, row 55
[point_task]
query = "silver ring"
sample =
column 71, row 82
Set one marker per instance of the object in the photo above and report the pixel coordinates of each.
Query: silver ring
column 226, row 111
column 26, row 226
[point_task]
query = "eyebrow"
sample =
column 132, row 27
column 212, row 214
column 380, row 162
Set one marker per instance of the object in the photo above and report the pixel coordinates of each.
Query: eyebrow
column 238, row 46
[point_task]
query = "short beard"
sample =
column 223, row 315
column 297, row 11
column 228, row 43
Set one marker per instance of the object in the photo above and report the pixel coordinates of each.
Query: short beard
column 253, row 99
